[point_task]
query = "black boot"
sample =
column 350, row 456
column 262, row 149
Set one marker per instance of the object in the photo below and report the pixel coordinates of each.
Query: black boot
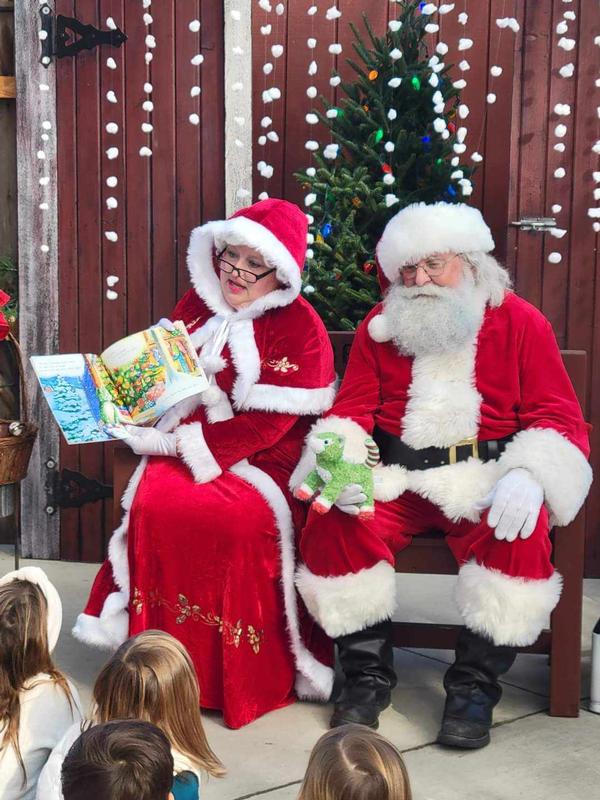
column 472, row 690
column 367, row 660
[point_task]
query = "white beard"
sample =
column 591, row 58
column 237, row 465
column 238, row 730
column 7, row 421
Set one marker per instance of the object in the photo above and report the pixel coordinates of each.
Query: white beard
column 433, row 319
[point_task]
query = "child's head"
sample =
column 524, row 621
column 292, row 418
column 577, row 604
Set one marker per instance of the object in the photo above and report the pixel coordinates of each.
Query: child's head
column 119, row 760
column 151, row 677
column 355, row 763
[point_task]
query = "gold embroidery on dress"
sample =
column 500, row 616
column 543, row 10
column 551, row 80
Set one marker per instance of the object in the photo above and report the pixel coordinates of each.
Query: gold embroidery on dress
column 232, row 633
column 282, row 365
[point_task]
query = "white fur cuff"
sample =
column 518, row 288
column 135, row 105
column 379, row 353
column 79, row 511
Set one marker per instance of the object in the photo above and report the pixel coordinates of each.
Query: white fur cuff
column 557, row 464
column 509, row 611
column 192, row 447
column 351, row 602
column 110, row 629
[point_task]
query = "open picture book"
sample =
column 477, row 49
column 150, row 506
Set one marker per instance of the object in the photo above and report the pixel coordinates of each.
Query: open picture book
column 133, row 382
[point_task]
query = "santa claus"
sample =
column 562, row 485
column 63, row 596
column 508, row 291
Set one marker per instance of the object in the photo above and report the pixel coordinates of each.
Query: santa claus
column 461, row 384
column 205, row 550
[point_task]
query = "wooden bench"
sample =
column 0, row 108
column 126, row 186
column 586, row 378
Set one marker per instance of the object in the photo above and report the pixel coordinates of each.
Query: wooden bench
column 428, row 554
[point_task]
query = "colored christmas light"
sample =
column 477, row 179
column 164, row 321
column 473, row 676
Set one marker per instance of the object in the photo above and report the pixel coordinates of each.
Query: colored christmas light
column 373, row 75
column 416, row 83
column 379, row 135
column 326, row 229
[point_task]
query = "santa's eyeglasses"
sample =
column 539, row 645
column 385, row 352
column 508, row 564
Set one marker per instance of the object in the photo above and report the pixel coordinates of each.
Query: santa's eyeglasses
column 433, row 267
column 244, row 274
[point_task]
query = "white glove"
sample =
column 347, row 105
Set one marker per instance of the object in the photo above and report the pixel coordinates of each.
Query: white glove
column 350, row 498
column 166, row 323
column 150, row 442
column 515, row 503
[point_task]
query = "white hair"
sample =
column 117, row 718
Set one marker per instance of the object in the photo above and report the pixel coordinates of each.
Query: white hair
column 489, row 274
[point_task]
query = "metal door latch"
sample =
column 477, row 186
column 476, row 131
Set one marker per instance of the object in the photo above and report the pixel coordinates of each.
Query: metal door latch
column 535, row 224
column 66, row 36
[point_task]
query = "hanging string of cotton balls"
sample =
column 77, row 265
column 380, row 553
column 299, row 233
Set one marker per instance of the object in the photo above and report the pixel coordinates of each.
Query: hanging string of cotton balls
column 195, row 91
column 311, row 119
column 233, row 41
column 594, row 212
column 148, row 105
column 41, row 154
column 270, row 94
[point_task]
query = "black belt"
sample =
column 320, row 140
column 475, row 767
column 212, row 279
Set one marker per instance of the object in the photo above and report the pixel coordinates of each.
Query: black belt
column 394, row 451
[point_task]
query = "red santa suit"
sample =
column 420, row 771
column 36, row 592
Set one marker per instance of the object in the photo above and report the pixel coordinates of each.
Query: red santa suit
column 509, row 380
column 205, row 550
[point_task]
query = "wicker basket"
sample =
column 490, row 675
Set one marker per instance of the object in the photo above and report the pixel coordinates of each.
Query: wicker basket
column 15, row 451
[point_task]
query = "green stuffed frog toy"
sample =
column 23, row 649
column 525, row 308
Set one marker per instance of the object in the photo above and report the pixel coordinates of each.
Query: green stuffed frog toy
column 333, row 474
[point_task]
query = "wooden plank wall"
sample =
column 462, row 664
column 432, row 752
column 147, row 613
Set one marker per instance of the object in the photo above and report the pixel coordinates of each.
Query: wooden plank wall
column 160, row 199
column 515, row 136
column 8, row 145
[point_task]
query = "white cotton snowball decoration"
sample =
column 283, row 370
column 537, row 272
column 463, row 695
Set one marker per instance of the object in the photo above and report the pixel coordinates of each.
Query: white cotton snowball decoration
column 312, row 119
column 111, row 202
column 194, row 119
column 44, row 248
column 279, row 9
column 197, row 59
column 331, row 113
column 312, row 91
column 277, row 50
column 391, row 199
column 477, row 157
column 42, row 35
column 110, row 23
column 150, row 41
column 44, row 181
column 389, row 179
column 311, row 43
column 395, row 54
column 431, row 27
column 460, row 84
column 560, row 147
column 147, row 127
column 556, row 209
column 596, row 147
column 275, row 92
column 441, row 48
column 562, row 27
column 567, row 70
column 461, row 135
column 464, row 65
column 389, row 147
column 267, row 172
column 312, row 11
column 112, row 280
column 195, row 91
column 112, row 127
column 145, row 152
column 46, row 125
column 111, row 96
column 437, row 97
column 596, row 226
column 333, row 13
column 459, row 148
column 194, row 25
column 560, row 131
column 560, row 172
column 310, row 198
column 392, row 114
column 446, row 8
column 111, row 63
column 44, row 87
column 439, row 124
column 434, row 80
column 311, row 145
column 148, row 88
column 262, row 140
column 558, row 233
column 266, row 29
column 112, row 236
column 44, row 137
column 146, row 3
column 554, row 258
column 335, row 80
column 241, row 121
column 311, row 172
column 491, row 98
column 148, row 57
column 458, row 173
column 148, row 105
column 272, row 136
column 43, row 206
column 394, row 82
column 594, row 213
column 243, row 193
column 445, row 134
column 312, row 68
column 569, row 15
column 429, row 8
column 335, row 49
column 331, row 151
column 238, row 86
column 596, row 177
column 394, row 25
column 268, row 68
column 235, row 14
column 112, row 181
column 495, row 71
column 147, row 18
column 463, row 111
column 112, row 153
column 562, row 109
column 463, row 17
column 111, row 294
column 439, row 108
column 566, row 44
column 465, row 44
column 466, row 189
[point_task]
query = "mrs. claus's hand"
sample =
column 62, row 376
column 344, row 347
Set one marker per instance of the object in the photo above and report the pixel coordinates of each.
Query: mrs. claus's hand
column 514, row 504
column 150, row 442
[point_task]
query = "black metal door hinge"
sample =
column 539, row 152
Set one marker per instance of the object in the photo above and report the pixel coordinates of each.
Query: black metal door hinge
column 66, row 36
column 70, row 489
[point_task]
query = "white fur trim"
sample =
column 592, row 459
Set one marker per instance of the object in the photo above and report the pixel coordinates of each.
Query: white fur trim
column 245, row 357
column 37, row 576
column 443, row 406
column 349, row 603
column 192, row 447
column 212, row 363
column 289, row 399
column 455, row 488
column 422, row 229
column 110, row 629
column 557, row 464
column 315, row 680
column 203, row 244
column 379, row 328
column 509, row 611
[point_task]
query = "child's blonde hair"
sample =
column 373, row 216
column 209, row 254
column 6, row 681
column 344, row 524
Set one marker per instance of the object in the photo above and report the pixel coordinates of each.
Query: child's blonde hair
column 151, row 677
column 353, row 762
column 24, row 653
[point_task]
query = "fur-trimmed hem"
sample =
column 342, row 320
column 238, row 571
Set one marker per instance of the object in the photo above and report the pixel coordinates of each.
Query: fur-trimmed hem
column 557, row 464
column 351, row 602
column 289, row 399
column 110, row 629
column 389, row 482
column 192, row 447
column 509, row 611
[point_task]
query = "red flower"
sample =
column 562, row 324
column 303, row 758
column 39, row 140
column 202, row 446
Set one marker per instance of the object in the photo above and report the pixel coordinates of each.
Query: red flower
column 4, row 327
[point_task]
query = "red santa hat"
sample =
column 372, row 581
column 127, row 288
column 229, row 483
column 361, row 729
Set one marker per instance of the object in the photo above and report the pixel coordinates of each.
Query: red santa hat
column 421, row 230
column 53, row 603
column 276, row 228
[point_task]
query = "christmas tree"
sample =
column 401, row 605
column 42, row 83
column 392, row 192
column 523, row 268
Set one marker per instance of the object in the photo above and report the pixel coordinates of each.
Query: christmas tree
column 395, row 142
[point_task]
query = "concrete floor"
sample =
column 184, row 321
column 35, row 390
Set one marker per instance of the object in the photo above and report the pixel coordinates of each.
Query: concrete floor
column 532, row 755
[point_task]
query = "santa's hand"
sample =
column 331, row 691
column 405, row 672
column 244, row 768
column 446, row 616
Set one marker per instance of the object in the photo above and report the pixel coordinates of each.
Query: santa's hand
column 150, row 442
column 515, row 503
column 350, row 499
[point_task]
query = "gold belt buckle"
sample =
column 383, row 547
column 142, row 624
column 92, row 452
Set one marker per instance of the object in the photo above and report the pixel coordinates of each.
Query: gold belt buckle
column 471, row 442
